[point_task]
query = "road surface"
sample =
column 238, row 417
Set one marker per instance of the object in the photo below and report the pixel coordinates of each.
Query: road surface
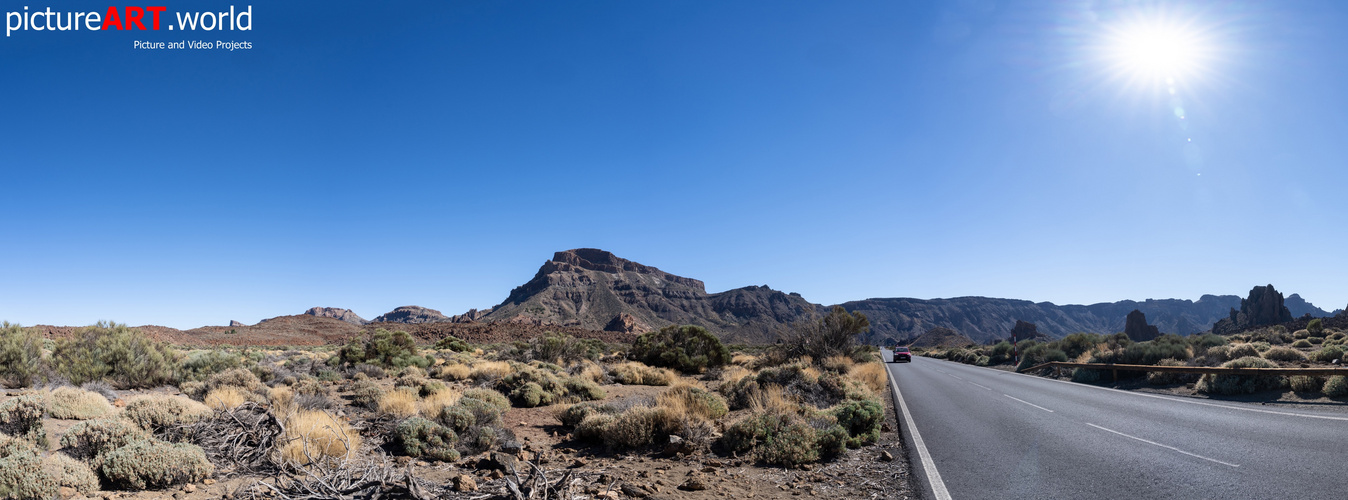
column 996, row 434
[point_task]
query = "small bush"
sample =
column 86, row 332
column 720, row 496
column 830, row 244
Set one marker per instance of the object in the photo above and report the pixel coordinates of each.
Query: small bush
column 874, row 376
column 369, row 370
column 635, row 428
column 314, row 436
column 819, row 338
column 488, row 396
column 693, row 400
column 489, row 371
column 861, row 420
column 366, row 394
column 233, row 377
column 202, row 364
column 156, row 413
column 453, row 343
column 774, row 438
column 1040, row 354
column 401, row 403
column 20, row 355
column 92, row 438
column 1284, row 354
column 418, row 437
column 1305, row 384
column 70, row 473
column 1327, row 354
column 155, row 465
column 1206, row 341
column 79, row 404
column 572, row 415
column 1302, row 344
column 1316, row 327
column 454, row 371
column 1167, row 378
column 553, row 347
column 385, row 349
column 594, row 427
column 22, row 475
column 1240, row 384
column 1243, row 350
column 113, row 352
column 21, row 417
column 1336, row 386
column 635, row 373
column 687, row 348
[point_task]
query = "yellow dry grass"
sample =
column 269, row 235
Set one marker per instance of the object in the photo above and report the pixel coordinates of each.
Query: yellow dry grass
column 491, row 370
column 592, row 371
column 772, row 399
column 225, row 398
column 401, row 403
column 871, row 374
column 454, row 371
column 840, row 364
column 636, row 373
column 734, row 373
column 314, row 435
column 743, row 359
column 433, row 404
column 282, row 400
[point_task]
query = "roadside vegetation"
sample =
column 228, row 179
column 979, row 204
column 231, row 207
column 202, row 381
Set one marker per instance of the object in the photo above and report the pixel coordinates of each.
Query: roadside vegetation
column 149, row 416
column 1267, row 348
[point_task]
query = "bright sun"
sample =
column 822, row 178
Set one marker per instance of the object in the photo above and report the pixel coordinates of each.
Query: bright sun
column 1157, row 51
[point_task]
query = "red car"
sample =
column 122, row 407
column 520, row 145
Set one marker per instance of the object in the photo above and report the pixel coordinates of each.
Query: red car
column 902, row 354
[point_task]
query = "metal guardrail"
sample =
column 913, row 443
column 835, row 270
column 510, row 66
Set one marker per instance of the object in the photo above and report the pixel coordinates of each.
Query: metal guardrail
column 1192, row 369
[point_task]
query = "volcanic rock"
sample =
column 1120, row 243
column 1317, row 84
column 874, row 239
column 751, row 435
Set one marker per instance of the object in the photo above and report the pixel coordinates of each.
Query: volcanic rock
column 1024, row 330
column 1137, row 328
column 235, row 323
column 626, row 323
column 1263, row 307
column 336, row 313
column 413, row 315
column 940, row 337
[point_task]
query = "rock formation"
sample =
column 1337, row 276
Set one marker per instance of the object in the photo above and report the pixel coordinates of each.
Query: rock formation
column 235, row 323
column 1137, row 328
column 1263, row 307
column 940, row 337
column 1024, row 330
column 336, row 313
column 412, row 314
column 626, row 323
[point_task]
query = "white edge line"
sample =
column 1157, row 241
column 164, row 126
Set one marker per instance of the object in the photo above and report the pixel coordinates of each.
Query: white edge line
column 1028, row 403
column 1146, row 395
column 1171, row 448
column 980, row 385
column 938, row 488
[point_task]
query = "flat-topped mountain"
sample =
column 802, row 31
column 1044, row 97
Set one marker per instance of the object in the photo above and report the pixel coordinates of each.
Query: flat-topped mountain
column 336, row 313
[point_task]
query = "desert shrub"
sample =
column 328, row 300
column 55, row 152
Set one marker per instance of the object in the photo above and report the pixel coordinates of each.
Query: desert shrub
column 369, row 370
column 316, row 436
column 488, row 396
column 1039, row 354
column 92, row 438
column 1206, row 341
column 1240, row 384
column 22, row 475
column 687, row 348
column 1167, row 378
column 861, row 419
column 20, row 355
column 113, row 352
column 637, row 427
column 1284, row 354
column 594, row 426
column 837, row 364
column 693, row 400
column 225, row 398
column 73, row 403
column 1243, row 350
column 1076, row 344
column 366, row 394
column 1302, row 344
column 453, row 343
column 1153, row 351
column 572, row 415
column 529, row 386
column 100, row 387
column 1089, row 376
column 635, row 373
column 773, row 438
column 155, row 465
column 385, row 349
column 1316, row 340
column 433, row 404
column 1316, row 327
column 202, row 364
column 22, row 417
column 554, row 347
column 313, row 402
column 70, row 473
column 1327, row 354
column 583, row 388
column 1305, row 384
column 418, row 437
column 454, row 371
column 401, row 403
column 832, row 335
column 1301, row 334
column 477, row 421
column 1217, row 354
column 1001, row 353
column 1336, row 386
column 156, row 413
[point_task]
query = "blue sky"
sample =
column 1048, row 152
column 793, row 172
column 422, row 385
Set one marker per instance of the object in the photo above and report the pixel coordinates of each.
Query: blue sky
column 370, row 155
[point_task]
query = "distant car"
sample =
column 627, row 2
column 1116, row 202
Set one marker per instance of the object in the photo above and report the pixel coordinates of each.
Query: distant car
column 902, row 354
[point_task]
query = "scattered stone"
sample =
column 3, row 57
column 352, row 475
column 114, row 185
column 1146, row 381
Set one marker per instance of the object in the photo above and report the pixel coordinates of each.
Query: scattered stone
column 497, row 460
column 644, row 474
column 464, row 482
column 714, row 463
column 189, row 488
column 885, row 427
column 496, row 474
column 607, row 495
column 885, row 456
column 423, row 464
column 65, row 492
column 708, row 469
column 678, row 445
column 633, row 491
column 693, row 484
column 208, row 482
column 580, row 462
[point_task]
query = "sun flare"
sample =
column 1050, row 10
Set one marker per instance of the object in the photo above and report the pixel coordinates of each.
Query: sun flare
column 1158, row 51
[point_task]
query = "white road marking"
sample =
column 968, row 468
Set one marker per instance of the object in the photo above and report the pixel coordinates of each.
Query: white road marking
column 980, row 385
column 938, row 489
column 1145, row 395
column 1171, row 448
column 1028, row 403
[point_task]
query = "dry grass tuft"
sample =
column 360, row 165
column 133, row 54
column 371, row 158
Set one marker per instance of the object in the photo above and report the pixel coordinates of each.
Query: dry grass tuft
column 491, row 370
column 401, row 403
column 225, row 398
column 73, row 403
column 433, row 404
column 592, row 371
column 282, row 401
column 871, row 374
column 636, row 373
column 744, row 360
column 454, row 371
column 732, row 374
column 315, row 435
column 772, row 399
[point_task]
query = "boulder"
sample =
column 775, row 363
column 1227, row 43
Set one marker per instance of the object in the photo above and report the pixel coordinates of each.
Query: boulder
column 1137, row 328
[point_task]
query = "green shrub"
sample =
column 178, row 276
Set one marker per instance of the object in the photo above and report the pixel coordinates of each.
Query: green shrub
column 419, row 437
column 365, row 393
column 637, row 427
column 475, row 419
column 453, row 343
column 1240, row 384
column 636, row 373
column 1302, row 344
column 1316, row 340
column 1001, row 353
column 773, row 438
column 1076, row 344
column 820, row 338
column 832, row 440
column 73, row 403
column 1206, row 341
column 22, row 475
column 861, row 420
column 70, row 473
column 1039, row 354
column 157, row 413
column 1167, row 378
column 537, row 385
column 91, row 438
column 202, row 364
column 1336, row 386
column 687, row 348
column 1244, row 350
column 1306, row 384
column 21, row 417
column 1284, row 354
column 583, row 388
column 493, row 398
column 572, row 415
column 594, row 426
column 20, row 355
column 553, row 347
column 1327, row 354
column 1316, row 327
column 695, row 401
column 155, row 465
column 384, row 349
column 113, row 352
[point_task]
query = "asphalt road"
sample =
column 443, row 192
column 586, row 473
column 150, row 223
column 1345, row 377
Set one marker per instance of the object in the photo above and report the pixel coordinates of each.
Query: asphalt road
column 995, row 434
